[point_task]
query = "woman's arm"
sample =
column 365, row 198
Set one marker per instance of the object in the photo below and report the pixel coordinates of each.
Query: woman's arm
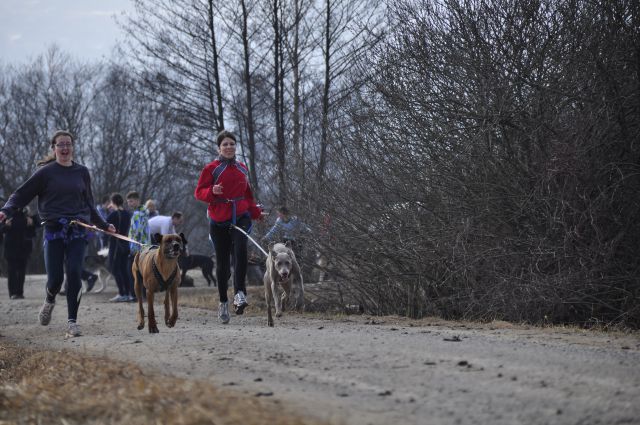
column 24, row 194
column 203, row 190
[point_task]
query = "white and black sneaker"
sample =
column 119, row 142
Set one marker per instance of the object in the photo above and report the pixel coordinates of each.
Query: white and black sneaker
column 45, row 313
column 240, row 302
column 73, row 330
column 223, row 312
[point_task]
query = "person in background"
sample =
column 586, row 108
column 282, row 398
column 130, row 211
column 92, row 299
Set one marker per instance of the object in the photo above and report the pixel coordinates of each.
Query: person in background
column 119, row 250
column 164, row 224
column 150, row 205
column 63, row 189
column 224, row 186
column 288, row 229
column 19, row 232
column 138, row 231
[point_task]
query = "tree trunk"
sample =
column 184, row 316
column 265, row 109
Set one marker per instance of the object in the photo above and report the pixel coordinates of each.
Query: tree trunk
column 247, row 81
column 324, row 140
column 296, row 139
column 216, row 75
column 280, row 143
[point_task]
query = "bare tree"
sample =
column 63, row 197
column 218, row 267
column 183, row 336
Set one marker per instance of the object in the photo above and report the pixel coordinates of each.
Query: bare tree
column 350, row 29
column 52, row 92
column 177, row 39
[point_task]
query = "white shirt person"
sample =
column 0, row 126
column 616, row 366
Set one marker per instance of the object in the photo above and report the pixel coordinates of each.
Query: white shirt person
column 164, row 224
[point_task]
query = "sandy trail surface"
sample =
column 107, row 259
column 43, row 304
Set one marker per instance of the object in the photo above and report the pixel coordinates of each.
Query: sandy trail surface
column 361, row 369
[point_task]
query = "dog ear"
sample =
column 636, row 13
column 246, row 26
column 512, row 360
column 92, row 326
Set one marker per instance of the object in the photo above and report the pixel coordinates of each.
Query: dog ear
column 184, row 240
column 288, row 244
column 156, row 238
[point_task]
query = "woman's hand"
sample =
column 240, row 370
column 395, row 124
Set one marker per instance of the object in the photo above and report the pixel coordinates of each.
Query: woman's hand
column 216, row 189
column 111, row 228
column 2, row 216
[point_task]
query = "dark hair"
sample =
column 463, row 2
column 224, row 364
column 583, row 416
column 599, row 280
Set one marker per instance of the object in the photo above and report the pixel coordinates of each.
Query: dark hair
column 176, row 214
column 52, row 143
column 117, row 200
column 283, row 210
column 224, row 134
column 133, row 195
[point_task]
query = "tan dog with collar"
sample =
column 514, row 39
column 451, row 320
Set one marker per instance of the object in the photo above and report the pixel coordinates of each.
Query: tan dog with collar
column 282, row 270
column 157, row 269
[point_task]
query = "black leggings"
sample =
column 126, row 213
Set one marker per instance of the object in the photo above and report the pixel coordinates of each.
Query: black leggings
column 59, row 255
column 228, row 241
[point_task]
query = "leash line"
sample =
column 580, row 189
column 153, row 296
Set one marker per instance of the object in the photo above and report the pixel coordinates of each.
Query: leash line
column 97, row 229
column 251, row 239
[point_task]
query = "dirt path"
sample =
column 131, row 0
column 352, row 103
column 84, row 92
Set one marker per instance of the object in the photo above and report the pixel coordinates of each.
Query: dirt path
column 361, row 370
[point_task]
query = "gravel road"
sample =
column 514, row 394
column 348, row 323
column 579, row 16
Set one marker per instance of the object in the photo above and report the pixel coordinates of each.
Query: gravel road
column 360, row 369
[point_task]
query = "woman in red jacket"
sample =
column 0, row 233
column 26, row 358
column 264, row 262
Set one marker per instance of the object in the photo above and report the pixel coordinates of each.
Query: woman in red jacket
column 224, row 185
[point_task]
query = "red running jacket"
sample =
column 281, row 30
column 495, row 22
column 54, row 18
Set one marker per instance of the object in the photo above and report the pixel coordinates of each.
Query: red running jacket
column 234, row 178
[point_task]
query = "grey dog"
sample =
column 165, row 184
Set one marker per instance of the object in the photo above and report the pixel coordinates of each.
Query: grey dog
column 282, row 270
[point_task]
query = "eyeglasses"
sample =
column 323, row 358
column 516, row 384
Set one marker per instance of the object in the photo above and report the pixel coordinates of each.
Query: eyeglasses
column 64, row 145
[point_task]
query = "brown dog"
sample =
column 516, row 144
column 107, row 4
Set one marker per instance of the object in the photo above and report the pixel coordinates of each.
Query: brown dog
column 157, row 269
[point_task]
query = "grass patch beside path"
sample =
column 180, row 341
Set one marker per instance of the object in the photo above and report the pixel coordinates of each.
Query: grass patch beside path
column 40, row 387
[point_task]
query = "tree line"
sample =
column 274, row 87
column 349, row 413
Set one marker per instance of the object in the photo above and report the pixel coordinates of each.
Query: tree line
column 468, row 159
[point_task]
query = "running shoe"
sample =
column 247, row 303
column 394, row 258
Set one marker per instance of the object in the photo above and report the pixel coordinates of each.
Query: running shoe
column 223, row 312
column 240, row 302
column 45, row 313
column 73, row 330
column 119, row 299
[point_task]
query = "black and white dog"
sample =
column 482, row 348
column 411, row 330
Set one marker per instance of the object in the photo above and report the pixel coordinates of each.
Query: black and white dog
column 98, row 265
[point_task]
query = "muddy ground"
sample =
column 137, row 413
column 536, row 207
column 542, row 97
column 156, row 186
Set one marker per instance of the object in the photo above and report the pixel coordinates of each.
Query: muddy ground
column 356, row 369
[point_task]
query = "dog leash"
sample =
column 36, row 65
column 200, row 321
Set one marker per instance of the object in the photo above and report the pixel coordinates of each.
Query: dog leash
column 97, row 229
column 250, row 238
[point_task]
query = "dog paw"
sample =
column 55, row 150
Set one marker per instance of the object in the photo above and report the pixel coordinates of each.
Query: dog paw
column 141, row 326
column 153, row 330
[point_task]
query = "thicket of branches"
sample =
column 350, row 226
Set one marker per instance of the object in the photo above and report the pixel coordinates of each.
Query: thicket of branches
column 490, row 167
column 470, row 159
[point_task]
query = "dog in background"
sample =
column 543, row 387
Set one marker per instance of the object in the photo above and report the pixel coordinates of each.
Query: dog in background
column 205, row 263
column 157, row 269
column 97, row 264
column 282, row 270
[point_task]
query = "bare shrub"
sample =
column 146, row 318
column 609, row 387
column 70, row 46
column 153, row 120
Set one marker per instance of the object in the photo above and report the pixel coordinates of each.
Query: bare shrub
column 490, row 168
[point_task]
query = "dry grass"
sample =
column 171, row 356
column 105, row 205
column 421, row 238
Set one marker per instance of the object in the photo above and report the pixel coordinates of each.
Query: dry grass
column 42, row 387
column 318, row 299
